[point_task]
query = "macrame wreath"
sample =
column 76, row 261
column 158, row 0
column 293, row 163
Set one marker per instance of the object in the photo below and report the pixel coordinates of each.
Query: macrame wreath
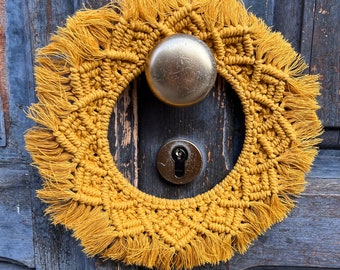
column 81, row 74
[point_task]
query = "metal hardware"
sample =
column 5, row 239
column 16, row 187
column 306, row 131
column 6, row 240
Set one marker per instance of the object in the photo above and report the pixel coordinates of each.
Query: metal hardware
column 179, row 161
column 179, row 155
column 181, row 70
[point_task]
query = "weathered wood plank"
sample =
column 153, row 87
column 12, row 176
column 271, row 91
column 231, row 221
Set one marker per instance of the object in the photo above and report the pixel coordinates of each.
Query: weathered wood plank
column 219, row 112
column 288, row 20
column 307, row 30
column 323, row 47
column 12, row 266
column 326, row 165
column 96, row 3
column 3, row 77
column 158, row 123
column 15, row 211
column 3, row 137
column 20, row 80
column 330, row 138
column 16, row 245
column 299, row 31
column 55, row 248
column 310, row 236
column 123, row 133
column 123, row 137
column 262, row 8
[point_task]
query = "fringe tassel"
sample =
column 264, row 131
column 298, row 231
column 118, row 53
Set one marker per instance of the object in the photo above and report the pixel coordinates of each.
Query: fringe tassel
column 84, row 41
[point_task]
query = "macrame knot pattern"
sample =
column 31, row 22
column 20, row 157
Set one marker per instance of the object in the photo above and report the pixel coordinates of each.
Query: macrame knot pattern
column 81, row 74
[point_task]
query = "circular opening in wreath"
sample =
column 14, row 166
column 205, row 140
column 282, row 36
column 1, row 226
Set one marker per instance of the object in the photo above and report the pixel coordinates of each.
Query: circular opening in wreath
column 140, row 125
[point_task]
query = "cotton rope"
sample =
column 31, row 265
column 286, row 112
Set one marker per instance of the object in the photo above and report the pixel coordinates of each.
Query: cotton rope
column 80, row 75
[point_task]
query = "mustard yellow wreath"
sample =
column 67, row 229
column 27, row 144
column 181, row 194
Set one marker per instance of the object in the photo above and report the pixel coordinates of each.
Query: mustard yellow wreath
column 81, row 74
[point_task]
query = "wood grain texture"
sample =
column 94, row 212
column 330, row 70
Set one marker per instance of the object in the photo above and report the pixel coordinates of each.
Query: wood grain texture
column 20, row 81
column 326, row 59
column 288, row 20
column 55, row 248
column 311, row 26
column 4, row 107
column 16, row 241
column 310, row 236
column 215, row 125
column 307, row 30
column 123, row 133
column 320, row 29
column 3, row 135
column 5, row 265
column 303, row 24
column 331, row 138
column 218, row 131
column 264, row 9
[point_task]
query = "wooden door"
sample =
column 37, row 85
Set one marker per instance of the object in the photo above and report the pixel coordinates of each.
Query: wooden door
column 140, row 124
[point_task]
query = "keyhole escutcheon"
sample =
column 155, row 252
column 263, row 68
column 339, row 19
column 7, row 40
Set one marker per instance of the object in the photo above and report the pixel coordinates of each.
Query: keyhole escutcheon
column 179, row 161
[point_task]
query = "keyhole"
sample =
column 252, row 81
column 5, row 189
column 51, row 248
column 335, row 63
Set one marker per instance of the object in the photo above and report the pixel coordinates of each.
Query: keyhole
column 179, row 155
column 179, row 161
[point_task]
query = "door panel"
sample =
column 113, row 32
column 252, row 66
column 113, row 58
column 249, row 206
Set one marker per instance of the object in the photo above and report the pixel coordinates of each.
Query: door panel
column 312, row 28
column 15, row 211
column 17, row 88
column 315, row 34
column 3, row 76
column 325, row 58
column 16, row 232
column 264, row 9
column 304, row 238
column 3, row 135
column 308, row 238
column 215, row 125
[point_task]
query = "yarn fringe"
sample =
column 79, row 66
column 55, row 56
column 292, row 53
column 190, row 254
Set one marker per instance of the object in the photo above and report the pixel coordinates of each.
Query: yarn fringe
column 87, row 35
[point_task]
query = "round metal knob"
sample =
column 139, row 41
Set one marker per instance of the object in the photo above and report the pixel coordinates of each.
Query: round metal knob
column 181, row 70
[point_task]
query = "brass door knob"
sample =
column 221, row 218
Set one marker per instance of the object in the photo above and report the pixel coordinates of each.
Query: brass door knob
column 181, row 70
